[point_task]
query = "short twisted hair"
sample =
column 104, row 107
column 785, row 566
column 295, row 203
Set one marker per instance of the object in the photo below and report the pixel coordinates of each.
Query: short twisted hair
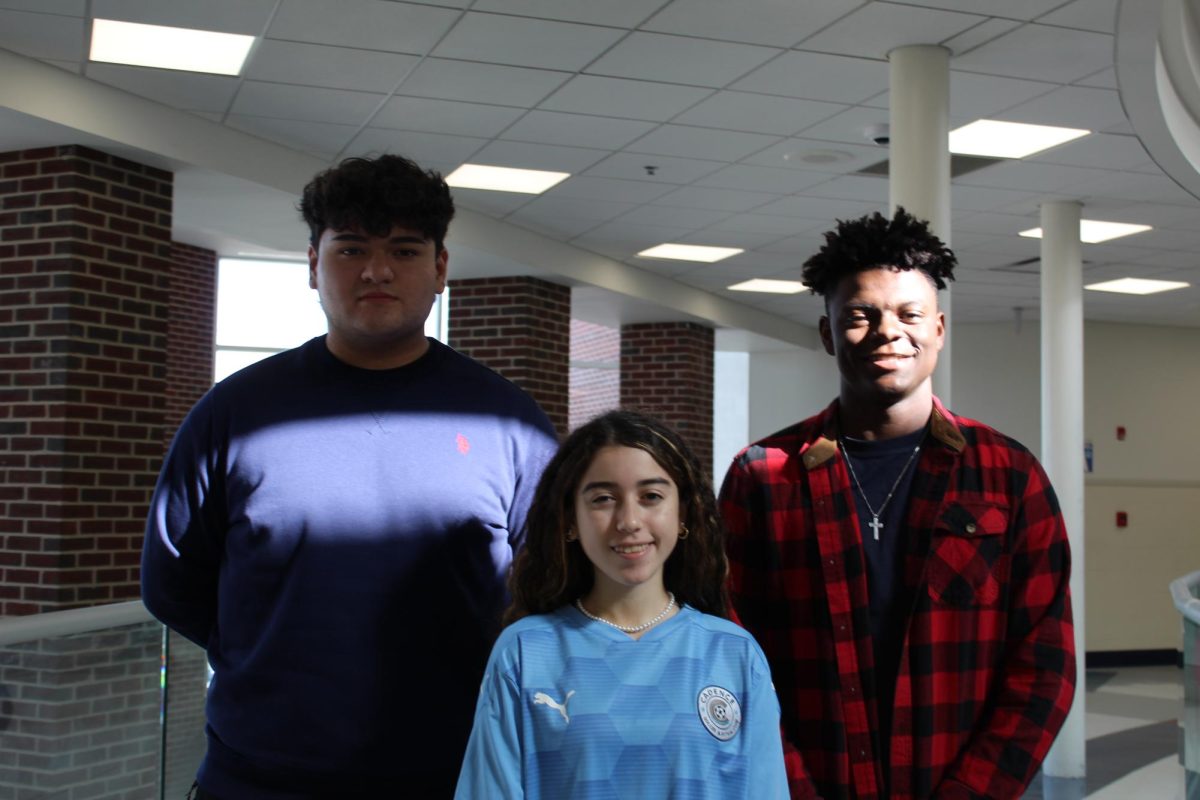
column 902, row 242
column 374, row 195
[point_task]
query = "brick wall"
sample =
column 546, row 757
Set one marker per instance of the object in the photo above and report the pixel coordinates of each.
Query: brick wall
column 519, row 327
column 667, row 371
column 84, row 271
column 595, row 371
column 190, row 331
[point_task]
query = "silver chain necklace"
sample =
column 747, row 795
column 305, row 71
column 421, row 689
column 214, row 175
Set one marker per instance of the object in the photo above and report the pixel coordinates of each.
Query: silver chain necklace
column 630, row 628
column 875, row 525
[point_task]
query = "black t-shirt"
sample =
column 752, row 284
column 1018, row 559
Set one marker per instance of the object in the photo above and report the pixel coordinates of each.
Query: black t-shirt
column 878, row 464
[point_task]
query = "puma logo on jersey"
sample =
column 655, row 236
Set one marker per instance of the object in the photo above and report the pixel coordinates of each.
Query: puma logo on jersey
column 543, row 699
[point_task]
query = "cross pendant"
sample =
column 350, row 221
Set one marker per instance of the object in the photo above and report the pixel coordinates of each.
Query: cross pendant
column 876, row 526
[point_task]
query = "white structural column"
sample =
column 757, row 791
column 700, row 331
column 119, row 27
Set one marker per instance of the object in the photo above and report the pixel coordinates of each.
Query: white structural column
column 919, row 158
column 1062, row 447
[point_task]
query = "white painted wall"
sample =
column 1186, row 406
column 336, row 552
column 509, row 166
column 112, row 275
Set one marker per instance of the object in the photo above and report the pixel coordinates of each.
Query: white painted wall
column 1147, row 379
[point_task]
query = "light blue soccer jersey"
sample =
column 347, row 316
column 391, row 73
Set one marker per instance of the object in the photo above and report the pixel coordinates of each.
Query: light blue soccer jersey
column 572, row 708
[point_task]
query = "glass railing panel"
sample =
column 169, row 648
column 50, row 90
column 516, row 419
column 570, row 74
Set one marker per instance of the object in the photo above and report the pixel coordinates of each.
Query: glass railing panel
column 80, row 714
column 1186, row 593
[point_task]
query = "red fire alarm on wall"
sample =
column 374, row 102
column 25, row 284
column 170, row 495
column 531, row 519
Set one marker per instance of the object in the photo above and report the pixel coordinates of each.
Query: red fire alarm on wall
column 1120, row 433
column 1122, row 519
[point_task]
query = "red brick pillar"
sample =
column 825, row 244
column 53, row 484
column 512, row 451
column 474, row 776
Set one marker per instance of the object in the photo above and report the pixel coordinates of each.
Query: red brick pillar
column 191, row 326
column 667, row 371
column 520, row 327
column 84, row 270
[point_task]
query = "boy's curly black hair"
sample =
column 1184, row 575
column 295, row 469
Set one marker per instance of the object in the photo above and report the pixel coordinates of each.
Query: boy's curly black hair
column 375, row 194
column 902, row 242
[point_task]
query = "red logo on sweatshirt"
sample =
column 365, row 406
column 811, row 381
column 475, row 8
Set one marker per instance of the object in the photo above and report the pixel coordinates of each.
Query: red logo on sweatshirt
column 464, row 446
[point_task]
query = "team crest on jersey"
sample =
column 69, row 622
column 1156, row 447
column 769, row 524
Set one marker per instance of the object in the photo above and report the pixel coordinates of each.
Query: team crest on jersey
column 720, row 712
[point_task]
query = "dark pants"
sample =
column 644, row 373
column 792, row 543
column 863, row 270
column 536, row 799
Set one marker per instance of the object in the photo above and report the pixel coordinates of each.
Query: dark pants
column 436, row 786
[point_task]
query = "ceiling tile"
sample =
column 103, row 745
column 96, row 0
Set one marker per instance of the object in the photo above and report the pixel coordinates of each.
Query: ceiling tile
column 1087, row 15
column 853, row 187
column 575, row 208
column 818, row 76
column 1030, row 176
column 328, row 67
column 704, row 197
column 45, row 36
column 1098, row 150
column 319, row 138
column 616, row 97
column 1104, row 79
column 304, row 102
column 971, row 38
column 667, row 216
column 1131, row 186
column 975, row 96
column 561, row 228
column 778, row 23
column 367, row 24
column 184, row 90
column 72, row 8
column 729, row 236
column 481, row 83
column 622, row 191
column 1071, row 107
column 681, row 140
column 876, row 28
column 821, row 209
column 1041, row 52
column 680, row 59
column 444, row 116
column 621, row 13
column 524, row 155
column 494, row 204
column 750, row 177
column 815, row 155
column 524, row 42
column 226, row 16
column 666, row 169
column 755, row 222
column 427, row 149
column 581, row 130
column 757, row 113
column 849, row 126
column 1013, row 9
column 980, row 198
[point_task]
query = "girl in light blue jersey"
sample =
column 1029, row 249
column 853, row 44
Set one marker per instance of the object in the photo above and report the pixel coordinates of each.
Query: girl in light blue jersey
column 619, row 676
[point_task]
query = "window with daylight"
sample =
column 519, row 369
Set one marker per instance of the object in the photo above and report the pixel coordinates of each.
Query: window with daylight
column 265, row 307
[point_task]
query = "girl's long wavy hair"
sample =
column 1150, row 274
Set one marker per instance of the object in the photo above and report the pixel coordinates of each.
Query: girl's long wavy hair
column 550, row 572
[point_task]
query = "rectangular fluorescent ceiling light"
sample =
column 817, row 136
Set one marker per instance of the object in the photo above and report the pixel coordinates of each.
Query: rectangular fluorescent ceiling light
column 1094, row 231
column 158, row 46
column 1137, row 286
column 985, row 137
column 768, row 285
column 504, row 179
column 690, row 252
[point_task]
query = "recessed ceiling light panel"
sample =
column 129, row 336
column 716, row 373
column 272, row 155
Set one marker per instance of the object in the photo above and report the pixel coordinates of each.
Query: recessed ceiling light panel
column 690, row 252
column 986, row 137
column 162, row 47
column 504, row 179
column 768, row 285
column 1137, row 286
column 1094, row 231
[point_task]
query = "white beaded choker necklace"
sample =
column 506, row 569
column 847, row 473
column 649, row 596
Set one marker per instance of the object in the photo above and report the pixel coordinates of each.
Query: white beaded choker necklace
column 630, row 628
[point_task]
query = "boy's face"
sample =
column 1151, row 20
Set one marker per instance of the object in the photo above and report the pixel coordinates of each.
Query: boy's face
column 376, row 292
column 885, row 329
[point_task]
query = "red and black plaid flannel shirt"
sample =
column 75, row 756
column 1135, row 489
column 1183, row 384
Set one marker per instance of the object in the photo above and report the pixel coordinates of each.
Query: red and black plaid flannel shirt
column 987, row 671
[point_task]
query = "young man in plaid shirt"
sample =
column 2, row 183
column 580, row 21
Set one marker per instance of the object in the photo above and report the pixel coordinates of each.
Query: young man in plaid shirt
column 904, row 569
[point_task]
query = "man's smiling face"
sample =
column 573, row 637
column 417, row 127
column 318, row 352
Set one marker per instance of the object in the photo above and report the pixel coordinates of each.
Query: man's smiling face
column 885, row 330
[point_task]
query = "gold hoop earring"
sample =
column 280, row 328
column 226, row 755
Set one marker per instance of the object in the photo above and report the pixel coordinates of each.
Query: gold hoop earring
column 683, row 531
column 572, row 536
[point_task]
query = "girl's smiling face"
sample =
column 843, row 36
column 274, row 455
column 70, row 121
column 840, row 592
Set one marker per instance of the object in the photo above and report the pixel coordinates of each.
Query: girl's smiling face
column 627, row 518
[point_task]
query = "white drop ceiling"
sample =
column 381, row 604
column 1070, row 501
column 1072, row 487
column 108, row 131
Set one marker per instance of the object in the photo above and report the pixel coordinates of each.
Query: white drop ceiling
column 708, row 122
